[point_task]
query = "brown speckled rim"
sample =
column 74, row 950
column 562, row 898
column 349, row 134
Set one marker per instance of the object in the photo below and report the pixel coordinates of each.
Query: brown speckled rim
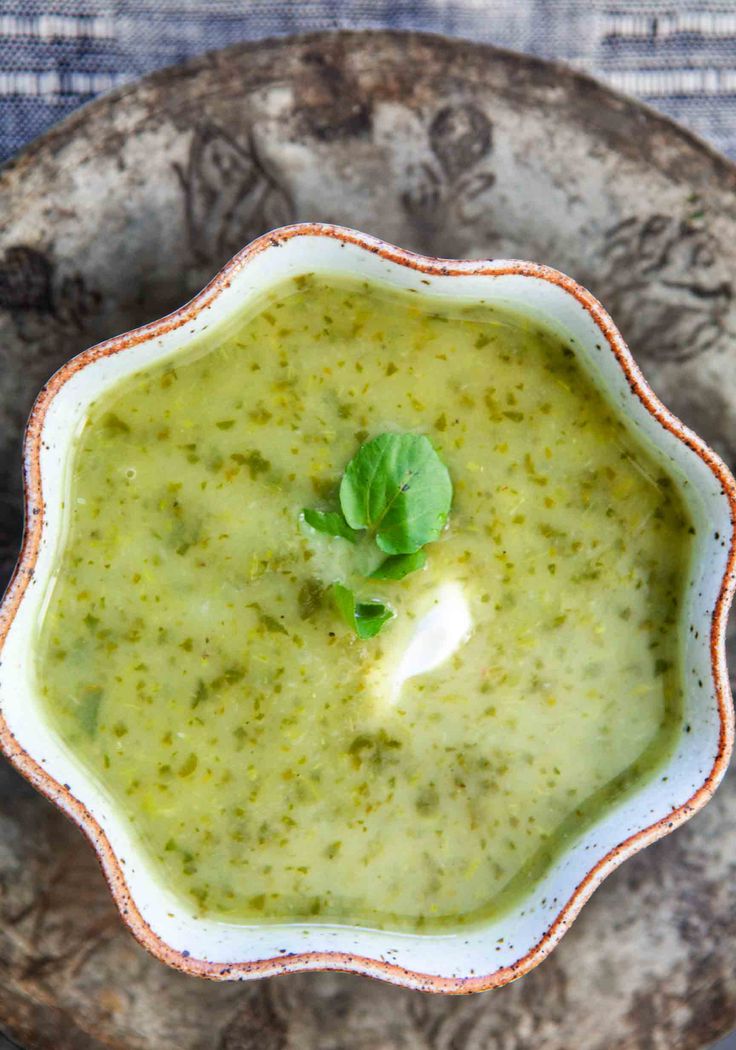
column 329, row 960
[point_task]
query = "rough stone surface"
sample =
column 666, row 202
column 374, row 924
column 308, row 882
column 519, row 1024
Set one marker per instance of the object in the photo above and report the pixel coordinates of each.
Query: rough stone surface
column 123, row 212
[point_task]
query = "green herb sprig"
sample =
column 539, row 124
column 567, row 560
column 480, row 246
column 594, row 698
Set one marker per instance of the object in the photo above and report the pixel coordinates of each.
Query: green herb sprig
column 366, row 618
column 396, row 491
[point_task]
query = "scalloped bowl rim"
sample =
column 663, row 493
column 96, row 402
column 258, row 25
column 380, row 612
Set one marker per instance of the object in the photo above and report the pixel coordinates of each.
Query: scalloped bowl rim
column 452, row 963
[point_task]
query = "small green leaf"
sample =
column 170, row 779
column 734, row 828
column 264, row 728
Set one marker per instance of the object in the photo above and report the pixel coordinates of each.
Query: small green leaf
column 188, row 766
column 397, row 566
column 269, row 623
column 89, row 710
column 272, row 624
column 254, row 461
column 310, row 598
column 397, row 486
column 330, row 522
column 113, row 424
column 345, row 602
column 200, row 694
column 365, row 618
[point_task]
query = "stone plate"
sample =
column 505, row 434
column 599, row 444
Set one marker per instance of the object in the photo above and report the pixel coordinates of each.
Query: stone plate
column 125, row 210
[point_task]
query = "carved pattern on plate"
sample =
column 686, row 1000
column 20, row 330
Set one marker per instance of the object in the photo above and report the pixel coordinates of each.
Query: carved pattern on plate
column 452, row 181
column 667, row 285
column 230, row 194
column 37, row 294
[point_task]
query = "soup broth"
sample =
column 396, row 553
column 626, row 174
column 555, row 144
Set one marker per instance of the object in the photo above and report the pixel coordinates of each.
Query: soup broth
column 274, row 765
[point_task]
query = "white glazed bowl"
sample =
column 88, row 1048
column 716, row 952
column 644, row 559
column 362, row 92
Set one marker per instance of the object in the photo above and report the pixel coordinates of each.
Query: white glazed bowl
column 471, row 960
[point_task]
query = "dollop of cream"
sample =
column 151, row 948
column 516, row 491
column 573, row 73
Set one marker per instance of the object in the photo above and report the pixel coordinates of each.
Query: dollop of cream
column 437, row 636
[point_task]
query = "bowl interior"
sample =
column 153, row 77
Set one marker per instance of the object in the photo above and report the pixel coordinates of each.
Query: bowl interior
column 501, row 943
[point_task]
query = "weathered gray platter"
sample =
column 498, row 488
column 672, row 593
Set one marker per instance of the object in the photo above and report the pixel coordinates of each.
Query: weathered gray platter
column 123, row 212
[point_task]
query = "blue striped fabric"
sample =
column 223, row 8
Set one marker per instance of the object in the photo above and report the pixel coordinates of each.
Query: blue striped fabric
column 56, row 54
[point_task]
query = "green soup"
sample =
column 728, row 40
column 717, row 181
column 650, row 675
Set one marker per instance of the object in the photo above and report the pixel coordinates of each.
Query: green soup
column 193, row 658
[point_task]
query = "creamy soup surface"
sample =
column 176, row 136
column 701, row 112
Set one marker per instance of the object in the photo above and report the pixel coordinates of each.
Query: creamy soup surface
column 274, row 765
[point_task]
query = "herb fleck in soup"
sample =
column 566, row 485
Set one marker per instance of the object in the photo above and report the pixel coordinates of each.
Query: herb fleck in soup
column 199, row 655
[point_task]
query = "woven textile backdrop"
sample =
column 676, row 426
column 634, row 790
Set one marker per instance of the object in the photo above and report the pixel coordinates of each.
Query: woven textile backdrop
column 57, row 54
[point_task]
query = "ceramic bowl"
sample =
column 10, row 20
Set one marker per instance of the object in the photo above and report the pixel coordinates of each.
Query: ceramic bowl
column 503, row 949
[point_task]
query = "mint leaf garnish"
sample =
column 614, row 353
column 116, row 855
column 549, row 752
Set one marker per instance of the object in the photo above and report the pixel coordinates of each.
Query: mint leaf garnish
column 397, row 566
column 398, row 487
column 397, row 492
column 365, row 618
column 330, row 522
